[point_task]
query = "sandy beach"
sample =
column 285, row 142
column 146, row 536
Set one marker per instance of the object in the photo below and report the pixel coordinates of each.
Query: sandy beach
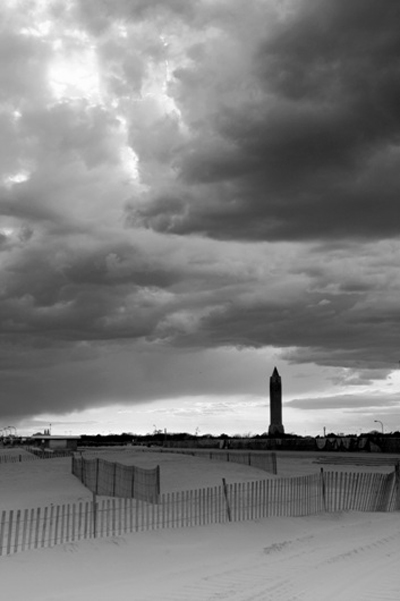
column 354, row 555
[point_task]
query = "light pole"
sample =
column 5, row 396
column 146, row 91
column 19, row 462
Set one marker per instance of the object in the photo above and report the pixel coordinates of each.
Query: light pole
column 378, row 421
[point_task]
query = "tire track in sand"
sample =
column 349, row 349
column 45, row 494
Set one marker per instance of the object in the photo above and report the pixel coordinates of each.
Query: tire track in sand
column 357, row 565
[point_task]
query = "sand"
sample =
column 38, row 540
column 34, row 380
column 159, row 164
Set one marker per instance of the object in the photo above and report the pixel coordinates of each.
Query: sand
column 347, row 556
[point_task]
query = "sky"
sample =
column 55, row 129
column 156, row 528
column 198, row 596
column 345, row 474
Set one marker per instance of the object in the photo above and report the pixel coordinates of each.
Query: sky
column 192, row 193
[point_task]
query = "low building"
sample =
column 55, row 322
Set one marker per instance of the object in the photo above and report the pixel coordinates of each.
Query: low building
column 53, row 443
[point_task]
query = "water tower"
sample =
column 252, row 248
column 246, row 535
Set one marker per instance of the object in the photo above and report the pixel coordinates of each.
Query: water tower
column 275, row 404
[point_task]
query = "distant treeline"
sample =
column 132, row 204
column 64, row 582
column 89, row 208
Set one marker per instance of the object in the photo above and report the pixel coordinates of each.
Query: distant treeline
column 223, row 440
column 385, row 441
column 160, row 437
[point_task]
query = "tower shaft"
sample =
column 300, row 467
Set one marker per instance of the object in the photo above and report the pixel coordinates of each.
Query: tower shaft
column 275, row 404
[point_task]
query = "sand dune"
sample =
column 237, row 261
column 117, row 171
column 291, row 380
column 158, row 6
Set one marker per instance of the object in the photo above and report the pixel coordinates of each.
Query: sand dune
column 346, row 556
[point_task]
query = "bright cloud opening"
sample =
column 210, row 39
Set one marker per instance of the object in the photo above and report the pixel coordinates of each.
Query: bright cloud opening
column 76, row 76
column 16, row 178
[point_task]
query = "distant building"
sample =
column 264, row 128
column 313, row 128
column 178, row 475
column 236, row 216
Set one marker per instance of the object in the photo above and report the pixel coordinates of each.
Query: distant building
column 275, row 404
column 59, row 443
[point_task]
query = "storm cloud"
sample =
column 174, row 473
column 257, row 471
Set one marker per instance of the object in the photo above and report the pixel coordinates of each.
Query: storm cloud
column 180, row 180
column 293, row 128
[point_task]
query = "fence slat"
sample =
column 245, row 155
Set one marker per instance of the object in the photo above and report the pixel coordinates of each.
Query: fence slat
column 17, row 525
column 44, row 526
column 125, row 526
column 278, row 486
column 57, row 522
column 30, row 528
column 163, row 502
column 346, row 491
column 130, row 515
column 86, row 523
column 79, row 527
column 24, row 530
column 108, row 517
column 50, row 526
column 37, row 528
column 10, row 531
column 2, row 531
column 363, row 492
column 62, row 523
column 263, row 498
column 360, row 492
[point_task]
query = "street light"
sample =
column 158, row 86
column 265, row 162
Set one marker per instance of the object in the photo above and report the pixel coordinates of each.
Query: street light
column 378, row 421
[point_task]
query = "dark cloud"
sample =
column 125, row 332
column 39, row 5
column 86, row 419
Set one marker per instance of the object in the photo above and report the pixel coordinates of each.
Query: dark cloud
column 310, row 151
column 77, row 376
column 334, row 334
column 186, row 177
column 344, row 402
column 97, row 291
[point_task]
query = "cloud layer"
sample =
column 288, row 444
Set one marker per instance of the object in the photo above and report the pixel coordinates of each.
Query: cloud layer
column 181, row 177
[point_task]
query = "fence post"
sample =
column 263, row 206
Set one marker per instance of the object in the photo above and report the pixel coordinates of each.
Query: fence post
column 228, row 508
column 323, row 489
column 2, row 532
column 94, row 504
column 97, row 475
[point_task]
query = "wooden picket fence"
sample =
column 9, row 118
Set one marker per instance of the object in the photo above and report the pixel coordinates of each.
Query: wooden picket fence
column 362, row 459
column 49, row 453
column 344, row 491
column 34, row 454
column 22, row 530
column 109, row 478
column 17, row 458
